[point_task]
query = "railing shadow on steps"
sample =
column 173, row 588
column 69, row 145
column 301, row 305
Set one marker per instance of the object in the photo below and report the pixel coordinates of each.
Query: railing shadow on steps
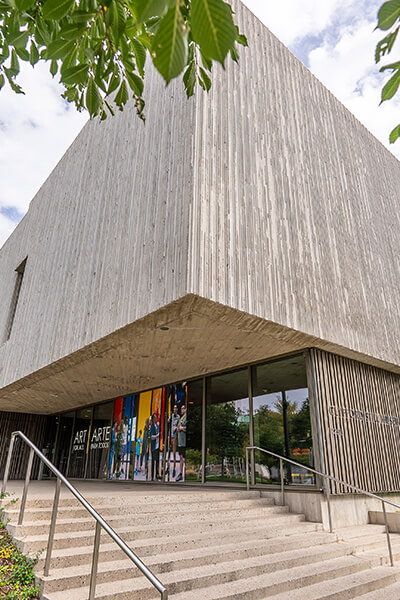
column 100, row 522
column 326, row 477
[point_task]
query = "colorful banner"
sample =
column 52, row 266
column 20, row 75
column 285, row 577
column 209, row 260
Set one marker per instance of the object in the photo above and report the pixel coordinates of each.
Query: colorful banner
column 143, row 433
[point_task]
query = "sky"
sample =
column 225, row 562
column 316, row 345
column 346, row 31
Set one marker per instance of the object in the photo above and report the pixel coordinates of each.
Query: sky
column 335, row 39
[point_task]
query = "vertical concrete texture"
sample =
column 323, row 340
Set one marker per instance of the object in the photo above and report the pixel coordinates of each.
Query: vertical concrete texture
column 266, row 196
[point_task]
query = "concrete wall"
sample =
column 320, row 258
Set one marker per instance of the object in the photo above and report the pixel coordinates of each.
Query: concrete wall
column 106, row 236
column 295, row 211
column 266, row 196
column 307, row 503
column 347, row 510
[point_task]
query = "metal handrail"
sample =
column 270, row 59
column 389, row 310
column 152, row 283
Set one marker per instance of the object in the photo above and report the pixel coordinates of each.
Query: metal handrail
column 325, row 476
column 100, row 522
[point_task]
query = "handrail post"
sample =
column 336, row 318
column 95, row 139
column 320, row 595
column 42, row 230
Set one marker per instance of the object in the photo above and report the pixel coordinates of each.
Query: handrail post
column 26, row 485
column 387, row 534
column 328, row 501
column 95, row 562
column 282, row 482
column 247, row 470
column 8, row 464
column 100, row 522
column 52, row 528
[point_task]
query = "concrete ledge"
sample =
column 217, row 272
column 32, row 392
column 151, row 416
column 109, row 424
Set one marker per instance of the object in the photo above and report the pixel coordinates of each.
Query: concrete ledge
column 393, row 518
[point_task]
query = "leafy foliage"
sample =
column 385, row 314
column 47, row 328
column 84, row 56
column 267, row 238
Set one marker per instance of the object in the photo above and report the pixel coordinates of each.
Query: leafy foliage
column 389, row 18
column 17, row 579
column 99, row 47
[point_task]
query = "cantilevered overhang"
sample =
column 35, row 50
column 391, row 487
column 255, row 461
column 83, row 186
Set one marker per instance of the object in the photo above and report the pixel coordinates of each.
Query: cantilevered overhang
column 187, row 338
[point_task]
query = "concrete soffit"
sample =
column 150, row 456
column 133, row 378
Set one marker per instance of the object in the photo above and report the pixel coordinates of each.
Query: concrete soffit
column 187, row 338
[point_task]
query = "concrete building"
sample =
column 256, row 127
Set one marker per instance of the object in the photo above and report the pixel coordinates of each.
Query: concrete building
column 238, row 255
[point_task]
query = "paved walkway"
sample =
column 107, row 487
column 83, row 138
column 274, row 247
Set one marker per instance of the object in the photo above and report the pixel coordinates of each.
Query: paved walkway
column 45, row 488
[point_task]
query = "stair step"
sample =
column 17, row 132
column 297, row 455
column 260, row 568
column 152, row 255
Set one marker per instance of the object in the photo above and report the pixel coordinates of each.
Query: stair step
column 222, row 545
column 354, row 585
column 144, row 530
column 143, row 498
column 251, row 588
column 162, row 519
column 67, row 557
column 232, row 569
column 131, row 506
column 171, row 540
column 392, row 592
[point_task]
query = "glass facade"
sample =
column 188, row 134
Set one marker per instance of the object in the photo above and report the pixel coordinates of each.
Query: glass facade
column 196, row 430
column 281, row 417
column 227, row 426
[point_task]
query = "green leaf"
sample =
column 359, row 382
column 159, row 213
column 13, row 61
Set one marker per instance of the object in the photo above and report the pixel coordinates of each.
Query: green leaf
column 114, row 83
column 71, row 94
column 89, row 53
column 15, row 87
column 72, row 31
column 145, row 9
column 42, row 33
column 110, row 108
column 18, row 39
column 23, row 5
column 82, row 16
column 388, row 14
column 140, row 55
column 76, row 75
column 93, row 99
column 14, row 62
column 189, row 79
column 22, row 53
column 242, row 40
column 122, row 95
column 391, row 87
column 59, row 49
column 170, row 48
column 395, row 134
column 206, row 79
column 99, row 71
column 53, row 67
column 2, row 80
column 385, row 46
column 115, row 20
column 34, row 54
column 135, row 83
column 206, row 62
column 54, row 10
column 213, row 28
column 5, row 54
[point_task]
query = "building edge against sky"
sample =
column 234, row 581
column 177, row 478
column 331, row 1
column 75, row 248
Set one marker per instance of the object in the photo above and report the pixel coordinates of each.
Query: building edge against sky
column 253, row 223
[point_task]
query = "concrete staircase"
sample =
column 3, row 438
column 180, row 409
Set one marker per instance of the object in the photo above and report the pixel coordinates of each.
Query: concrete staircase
column 205, row 545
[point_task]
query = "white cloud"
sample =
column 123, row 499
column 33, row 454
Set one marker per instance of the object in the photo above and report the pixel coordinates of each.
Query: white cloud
column 348, row 70
column 291, row 20
column 6, row 227
column 35, row 130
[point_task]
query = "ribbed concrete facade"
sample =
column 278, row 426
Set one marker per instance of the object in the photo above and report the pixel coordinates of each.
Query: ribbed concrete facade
column 265, row 197
column 296, row 205
column 106, row 236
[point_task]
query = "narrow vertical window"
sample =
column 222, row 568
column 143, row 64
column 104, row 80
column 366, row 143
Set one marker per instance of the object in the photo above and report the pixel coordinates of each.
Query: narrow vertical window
column 20, row 270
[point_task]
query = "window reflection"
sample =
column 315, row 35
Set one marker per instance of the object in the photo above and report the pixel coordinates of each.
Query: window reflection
column 157, row 434
column 282, row 420
column 227, row 426
column 194, row 423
